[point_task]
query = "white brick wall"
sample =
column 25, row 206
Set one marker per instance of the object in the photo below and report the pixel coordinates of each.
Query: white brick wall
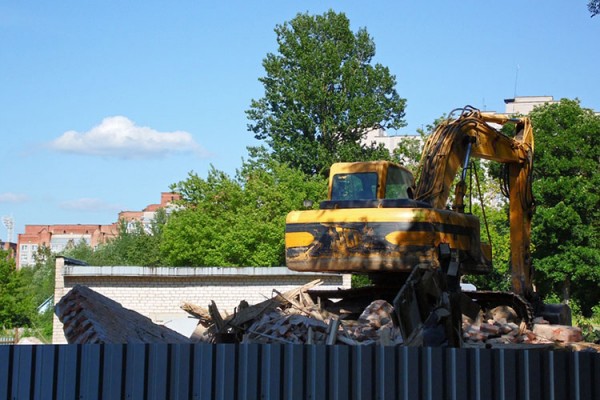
column 158, row 292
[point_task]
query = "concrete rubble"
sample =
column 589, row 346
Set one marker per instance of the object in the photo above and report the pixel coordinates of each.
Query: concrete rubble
column 500, row 326
column 295, row 317
column 89, row 317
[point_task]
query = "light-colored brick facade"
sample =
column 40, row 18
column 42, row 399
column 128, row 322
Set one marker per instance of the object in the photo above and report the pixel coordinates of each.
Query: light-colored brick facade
column 158, row 292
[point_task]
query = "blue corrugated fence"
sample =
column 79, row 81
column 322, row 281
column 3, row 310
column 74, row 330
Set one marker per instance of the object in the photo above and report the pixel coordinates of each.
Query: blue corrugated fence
column 256, row 371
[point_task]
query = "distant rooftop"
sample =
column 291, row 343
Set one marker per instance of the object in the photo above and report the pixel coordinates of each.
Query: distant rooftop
column 525, row 104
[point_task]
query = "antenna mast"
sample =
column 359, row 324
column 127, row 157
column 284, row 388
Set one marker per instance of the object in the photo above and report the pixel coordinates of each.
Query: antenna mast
column 516, row 80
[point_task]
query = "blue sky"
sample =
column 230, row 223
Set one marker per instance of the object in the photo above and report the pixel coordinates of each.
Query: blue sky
column 104, row 104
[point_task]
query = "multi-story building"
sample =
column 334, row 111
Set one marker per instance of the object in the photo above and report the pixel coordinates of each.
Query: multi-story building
column 58, row 237
column 379, row 136
column 146, row 216
column 525, row 104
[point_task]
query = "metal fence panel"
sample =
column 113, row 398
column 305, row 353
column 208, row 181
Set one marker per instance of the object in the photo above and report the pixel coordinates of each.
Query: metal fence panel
column 256, row 371
column 203, row 371
column 113, row 371
column 249, row 374
column 24, row 366
column 45, row 370
column 5, row 371
column 67, row 377
column 180, row 371
column 271, row 367
column 89, row 372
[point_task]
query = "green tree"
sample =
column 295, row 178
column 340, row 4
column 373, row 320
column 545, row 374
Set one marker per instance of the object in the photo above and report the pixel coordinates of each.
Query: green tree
column 237, row 221
column 408, row 152
column 135, row 244
column 566, row 223
column 16, row 300
column 23, row 291
column 594, row 7
column 42, row 280
column 40, row 284
column 499, row 238
column 322, row 94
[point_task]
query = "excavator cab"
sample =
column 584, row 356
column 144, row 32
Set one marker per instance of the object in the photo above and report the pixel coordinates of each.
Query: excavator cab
column 354, row 186
column 376, row 180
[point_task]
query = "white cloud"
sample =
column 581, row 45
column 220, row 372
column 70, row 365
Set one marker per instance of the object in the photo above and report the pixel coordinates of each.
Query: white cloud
column 9, row 197
column 89, row 204
column 120, row 137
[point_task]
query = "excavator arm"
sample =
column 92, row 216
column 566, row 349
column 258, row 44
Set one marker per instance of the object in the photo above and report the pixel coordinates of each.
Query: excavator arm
column 472, row 135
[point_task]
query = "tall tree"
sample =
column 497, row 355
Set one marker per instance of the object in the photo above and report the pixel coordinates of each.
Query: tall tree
column 566, row 227
column 322, row 94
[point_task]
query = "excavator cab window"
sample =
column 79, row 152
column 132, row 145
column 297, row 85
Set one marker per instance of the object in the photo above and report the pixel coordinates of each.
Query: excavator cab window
column 398, row 184
column 354, row 186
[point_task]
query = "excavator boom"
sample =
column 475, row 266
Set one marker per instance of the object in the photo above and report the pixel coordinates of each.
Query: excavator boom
column 472, row 135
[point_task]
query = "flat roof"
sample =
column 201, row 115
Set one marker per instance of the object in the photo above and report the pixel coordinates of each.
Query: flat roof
column 79, row 270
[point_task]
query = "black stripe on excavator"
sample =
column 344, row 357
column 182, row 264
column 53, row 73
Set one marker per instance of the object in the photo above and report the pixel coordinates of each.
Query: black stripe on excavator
column 380, row 203
column 382, row 228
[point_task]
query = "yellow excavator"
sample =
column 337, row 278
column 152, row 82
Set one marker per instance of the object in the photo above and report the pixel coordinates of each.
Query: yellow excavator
column 379, row 222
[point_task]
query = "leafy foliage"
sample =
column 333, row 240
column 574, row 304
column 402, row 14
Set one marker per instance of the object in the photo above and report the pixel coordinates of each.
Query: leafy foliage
column 23, row 291
column 408, row 152
column 322, row 94
column 237, row 221
column 15, row 301
column 594, row 7
column 497, row 222
column 134, row 245
column 566, row 224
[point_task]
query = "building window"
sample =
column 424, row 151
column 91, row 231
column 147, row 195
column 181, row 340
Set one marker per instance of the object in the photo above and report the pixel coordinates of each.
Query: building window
column 24, row 247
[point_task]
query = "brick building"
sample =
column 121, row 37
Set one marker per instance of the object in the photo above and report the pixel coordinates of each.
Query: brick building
column 57, row 237
column 146, row 216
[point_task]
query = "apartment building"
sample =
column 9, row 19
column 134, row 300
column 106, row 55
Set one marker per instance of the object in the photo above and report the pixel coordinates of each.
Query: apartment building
column 58, row 237
column 525, row 104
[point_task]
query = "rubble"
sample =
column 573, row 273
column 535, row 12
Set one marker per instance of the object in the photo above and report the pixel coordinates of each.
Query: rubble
column 496, row 330
column 293, row 317
column 89, row 317
column 560, row 333
column 300, row 317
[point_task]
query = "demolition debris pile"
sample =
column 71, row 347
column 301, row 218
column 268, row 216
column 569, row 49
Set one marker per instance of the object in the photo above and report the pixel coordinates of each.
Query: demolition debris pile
column 501, row 326
column 89, row 317
column 292, row 317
